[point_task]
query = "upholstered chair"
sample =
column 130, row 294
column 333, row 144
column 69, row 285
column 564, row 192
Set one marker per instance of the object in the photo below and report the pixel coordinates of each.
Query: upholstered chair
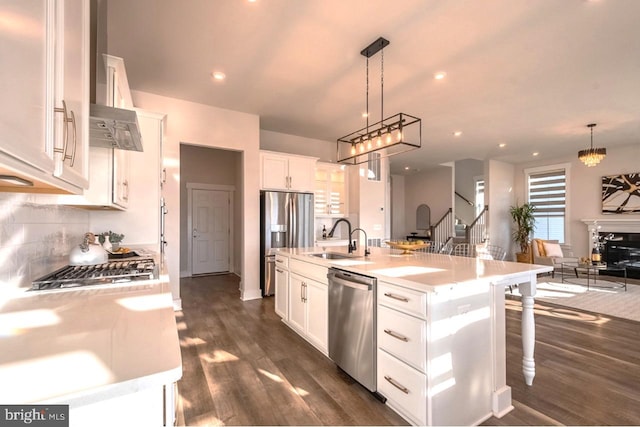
column 550, row 252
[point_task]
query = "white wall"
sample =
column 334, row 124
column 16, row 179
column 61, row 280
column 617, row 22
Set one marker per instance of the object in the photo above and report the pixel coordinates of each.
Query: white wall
column 584, row 194
column 433, row 187
column 35, row 239
column 207, row 126
column 499, row 195
column 325, row 151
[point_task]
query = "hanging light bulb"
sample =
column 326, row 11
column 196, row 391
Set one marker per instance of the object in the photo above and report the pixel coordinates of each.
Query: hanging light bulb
column 399, row 135
column 389, row 138
column 361, row 147
column 379, row 140
column 369, row 144
column 353, row 149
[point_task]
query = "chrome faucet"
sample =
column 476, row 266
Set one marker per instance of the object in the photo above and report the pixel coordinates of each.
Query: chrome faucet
column 351, row 248
column 366, row 240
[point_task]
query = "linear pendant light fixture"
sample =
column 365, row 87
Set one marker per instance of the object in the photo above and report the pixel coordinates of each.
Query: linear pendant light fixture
column 592, row 156
column 392, row 135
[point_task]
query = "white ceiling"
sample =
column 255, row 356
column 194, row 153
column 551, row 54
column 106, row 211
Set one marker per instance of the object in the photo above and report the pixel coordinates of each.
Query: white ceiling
column 527, row 73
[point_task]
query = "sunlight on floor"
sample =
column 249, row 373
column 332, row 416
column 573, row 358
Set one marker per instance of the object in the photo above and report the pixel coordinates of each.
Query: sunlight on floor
column 299, row 391
column 271, row 376
column 219, row 356
column 560, row 312
column 190, row 341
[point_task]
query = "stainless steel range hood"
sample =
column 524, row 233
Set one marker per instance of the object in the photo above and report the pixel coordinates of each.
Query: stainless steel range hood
column 114, row 127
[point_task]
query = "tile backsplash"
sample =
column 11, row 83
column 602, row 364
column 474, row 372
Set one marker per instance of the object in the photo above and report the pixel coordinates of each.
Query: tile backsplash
column 36, row 239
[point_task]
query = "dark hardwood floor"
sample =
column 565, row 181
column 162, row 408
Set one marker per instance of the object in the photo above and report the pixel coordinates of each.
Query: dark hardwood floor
column 243, row 366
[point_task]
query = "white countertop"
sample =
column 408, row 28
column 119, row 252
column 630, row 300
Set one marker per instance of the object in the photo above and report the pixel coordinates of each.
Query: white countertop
column 423, row 271
column 81, row 346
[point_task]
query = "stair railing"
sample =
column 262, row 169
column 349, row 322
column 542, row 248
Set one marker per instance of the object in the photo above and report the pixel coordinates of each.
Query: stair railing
column 476, row 232
column 443, row 229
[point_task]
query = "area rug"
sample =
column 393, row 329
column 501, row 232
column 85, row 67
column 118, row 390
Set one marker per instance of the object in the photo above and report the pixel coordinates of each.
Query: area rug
column 612, row 301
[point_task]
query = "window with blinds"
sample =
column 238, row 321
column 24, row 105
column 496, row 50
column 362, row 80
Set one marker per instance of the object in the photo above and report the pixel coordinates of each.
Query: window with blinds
column 547, row 192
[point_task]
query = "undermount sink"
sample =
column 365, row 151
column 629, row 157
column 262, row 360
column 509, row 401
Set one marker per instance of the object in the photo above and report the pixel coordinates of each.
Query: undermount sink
column 332, row 255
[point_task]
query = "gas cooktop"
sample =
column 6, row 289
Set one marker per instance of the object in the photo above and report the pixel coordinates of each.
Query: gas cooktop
column 120, row 271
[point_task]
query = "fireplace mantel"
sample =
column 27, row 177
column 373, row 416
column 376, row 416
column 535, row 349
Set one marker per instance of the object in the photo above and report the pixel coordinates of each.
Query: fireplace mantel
column 612, row 225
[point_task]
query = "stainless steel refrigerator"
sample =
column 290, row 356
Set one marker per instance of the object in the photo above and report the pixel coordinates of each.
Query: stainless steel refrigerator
column 286, row 221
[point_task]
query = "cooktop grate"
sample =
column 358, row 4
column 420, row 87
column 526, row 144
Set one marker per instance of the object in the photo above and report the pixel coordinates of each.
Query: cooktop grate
column 110, row 272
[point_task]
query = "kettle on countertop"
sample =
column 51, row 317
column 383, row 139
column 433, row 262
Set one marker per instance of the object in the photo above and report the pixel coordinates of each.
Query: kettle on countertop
column 89, row 252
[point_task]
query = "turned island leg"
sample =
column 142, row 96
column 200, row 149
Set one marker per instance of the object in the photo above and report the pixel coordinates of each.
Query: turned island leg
column 528, row 291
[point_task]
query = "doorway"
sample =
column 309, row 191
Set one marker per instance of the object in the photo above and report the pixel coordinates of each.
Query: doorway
column 210, row 227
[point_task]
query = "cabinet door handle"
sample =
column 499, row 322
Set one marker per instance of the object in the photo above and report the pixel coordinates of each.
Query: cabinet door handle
column 396, row 384
column 396, row 335
column 279, row 271
column 60, row 153
column 72, row 157
column 68, row 116
column 396, row 297
column 125, row 187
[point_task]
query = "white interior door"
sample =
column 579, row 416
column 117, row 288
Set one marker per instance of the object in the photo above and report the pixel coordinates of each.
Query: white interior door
column 210, row 231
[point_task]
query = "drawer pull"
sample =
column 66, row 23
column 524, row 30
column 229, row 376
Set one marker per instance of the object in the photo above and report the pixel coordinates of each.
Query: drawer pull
column 279, row 271
column 396, row 384
column 396, row 335
column 396, row 297
column 279, row 260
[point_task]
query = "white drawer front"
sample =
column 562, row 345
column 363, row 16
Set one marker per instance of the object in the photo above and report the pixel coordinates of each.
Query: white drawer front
column 403, row 386
column 403, row 336
column 309, row 270
column 407, row 300
column 282, row 261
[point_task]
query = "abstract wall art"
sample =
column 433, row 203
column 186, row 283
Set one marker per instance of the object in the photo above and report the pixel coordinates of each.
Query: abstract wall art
column 621, row 194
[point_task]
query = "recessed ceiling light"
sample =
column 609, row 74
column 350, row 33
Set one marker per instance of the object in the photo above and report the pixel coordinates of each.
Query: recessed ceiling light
column 502, row 145
column 457, row 133
column 407, row 168
column 365, row 115
column 535, row 153
column 218, row 75
column 439, row 75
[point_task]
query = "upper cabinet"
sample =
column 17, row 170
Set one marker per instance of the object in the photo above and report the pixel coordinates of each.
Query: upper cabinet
column 286, row 172
column 331, row 190
column 44, row 132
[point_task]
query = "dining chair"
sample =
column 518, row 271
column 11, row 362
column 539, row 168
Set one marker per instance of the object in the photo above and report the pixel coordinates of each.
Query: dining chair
column 463, row 249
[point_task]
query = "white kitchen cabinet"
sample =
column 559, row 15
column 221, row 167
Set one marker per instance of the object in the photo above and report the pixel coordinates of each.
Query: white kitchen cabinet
column 286, row 172
column 317, row 315
column 308, row 300
column 282, row 287
column 433, row 353
column 45, row 109
column 331, row 191
column 108, row 182
column 308, row 309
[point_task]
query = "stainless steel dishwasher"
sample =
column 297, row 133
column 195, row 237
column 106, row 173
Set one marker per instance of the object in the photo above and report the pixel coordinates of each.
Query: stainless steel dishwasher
column 352, row 325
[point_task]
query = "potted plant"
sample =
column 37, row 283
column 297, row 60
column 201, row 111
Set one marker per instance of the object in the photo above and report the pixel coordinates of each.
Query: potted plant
column 113, row 238
column 523, row 217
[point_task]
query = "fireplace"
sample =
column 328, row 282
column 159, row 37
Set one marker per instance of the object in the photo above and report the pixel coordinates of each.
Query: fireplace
column 622, row 248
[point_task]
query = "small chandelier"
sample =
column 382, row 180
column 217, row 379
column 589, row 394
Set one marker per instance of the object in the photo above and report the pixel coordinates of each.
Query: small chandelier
column 592, row 156
column 392, row 135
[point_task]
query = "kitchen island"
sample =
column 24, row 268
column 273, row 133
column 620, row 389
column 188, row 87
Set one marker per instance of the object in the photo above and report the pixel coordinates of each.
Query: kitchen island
column 440, row 326
column 110, row 352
